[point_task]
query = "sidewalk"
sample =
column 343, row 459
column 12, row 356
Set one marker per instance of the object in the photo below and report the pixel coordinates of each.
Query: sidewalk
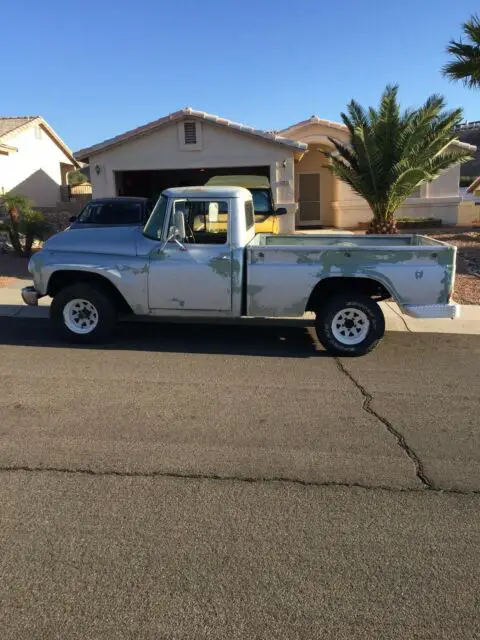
column 11, row 305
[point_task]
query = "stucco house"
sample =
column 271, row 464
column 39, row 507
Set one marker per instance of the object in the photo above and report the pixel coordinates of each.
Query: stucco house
column 188, row 147
column 34, row 160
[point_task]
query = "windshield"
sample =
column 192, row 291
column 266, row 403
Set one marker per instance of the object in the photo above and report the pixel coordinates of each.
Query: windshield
column 114, row 212
column 261, row 200
column 154, row 227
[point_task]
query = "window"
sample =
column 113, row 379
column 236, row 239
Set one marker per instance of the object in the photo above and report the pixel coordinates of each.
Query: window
column 206, row 221
column 154, row 227
column 262, row 201
column 112, row 213
column 190, row 132
column 249, row 215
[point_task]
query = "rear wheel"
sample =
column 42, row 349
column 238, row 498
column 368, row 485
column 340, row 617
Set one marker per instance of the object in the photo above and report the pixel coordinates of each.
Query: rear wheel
column 350, row 324
column 82, row 313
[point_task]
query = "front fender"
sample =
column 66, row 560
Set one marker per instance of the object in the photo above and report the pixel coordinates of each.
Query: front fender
column 129, row 275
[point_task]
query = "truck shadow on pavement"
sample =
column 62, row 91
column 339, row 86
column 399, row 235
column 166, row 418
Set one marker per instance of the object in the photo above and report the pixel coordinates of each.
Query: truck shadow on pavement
column 268, row 341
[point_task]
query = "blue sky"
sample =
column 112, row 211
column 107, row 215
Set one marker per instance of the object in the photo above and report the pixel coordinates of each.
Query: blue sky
column 94, row 69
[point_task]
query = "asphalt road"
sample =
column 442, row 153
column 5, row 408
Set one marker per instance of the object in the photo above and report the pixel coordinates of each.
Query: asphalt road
column 235, row 482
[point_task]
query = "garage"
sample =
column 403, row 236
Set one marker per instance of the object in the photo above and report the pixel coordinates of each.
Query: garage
column 187, row 148
column 150, row 183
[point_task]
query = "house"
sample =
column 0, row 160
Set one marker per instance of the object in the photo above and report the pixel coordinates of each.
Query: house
column 188, row 147
column 324, row 199
column 34, row 161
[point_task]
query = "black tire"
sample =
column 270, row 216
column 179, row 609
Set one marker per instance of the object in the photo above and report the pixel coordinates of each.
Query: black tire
column 105, row 308
column 366, row 307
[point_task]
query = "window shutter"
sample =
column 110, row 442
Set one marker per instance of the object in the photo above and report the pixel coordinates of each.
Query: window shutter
column 190, row 132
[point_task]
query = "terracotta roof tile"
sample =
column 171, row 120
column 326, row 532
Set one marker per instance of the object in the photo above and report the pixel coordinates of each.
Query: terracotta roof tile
column 185, row 113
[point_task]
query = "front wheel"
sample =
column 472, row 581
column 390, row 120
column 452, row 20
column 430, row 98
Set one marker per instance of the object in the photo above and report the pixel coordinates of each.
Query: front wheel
column 350, row 324
column 82, row 313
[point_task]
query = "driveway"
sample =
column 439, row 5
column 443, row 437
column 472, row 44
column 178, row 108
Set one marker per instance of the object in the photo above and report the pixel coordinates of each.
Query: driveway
column 235, row 482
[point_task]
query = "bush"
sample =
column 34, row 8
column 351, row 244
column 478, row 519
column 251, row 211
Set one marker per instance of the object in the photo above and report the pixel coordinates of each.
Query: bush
column 405, row 222
column 22, row 224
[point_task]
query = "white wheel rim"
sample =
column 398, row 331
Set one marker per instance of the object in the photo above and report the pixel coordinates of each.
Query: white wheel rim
column 350, row 326
column 80, row 316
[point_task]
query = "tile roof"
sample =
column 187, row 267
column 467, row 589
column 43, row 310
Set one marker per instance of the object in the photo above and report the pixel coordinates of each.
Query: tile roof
column 9, row 124
column 315, row 120
column 188, row 112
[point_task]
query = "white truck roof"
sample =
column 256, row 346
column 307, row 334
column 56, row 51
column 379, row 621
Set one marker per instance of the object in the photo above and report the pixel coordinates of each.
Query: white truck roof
column 208, row 192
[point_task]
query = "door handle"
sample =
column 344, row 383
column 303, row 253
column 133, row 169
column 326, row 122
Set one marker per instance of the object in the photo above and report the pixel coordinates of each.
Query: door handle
column 223, row 258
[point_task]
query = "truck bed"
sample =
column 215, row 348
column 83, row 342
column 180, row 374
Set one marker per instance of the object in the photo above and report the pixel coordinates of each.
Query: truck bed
column 414, row 269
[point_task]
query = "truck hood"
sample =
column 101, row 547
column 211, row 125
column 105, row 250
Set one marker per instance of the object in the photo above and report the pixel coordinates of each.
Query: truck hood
column 103, row 240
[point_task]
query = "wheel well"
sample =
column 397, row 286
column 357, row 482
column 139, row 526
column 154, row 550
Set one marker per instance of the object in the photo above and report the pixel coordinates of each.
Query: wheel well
column 61, row 279
column 332, row 286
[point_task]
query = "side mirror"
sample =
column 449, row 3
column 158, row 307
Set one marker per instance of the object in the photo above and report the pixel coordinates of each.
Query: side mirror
column 72, row 218
column 177, row 233
column 177, row 229
column 281, row 211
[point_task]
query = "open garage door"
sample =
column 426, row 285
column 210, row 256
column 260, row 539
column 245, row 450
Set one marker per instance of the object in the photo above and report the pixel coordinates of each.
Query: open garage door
column 149, row 184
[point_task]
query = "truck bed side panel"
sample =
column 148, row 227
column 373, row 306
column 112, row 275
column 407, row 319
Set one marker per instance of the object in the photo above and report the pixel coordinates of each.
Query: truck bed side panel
column 281, row 279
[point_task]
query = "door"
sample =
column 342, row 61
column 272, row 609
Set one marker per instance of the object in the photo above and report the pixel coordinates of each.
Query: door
column 195, row 273
column 309, row 213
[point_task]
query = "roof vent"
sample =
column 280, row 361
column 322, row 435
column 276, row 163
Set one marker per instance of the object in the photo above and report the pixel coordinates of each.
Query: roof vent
column 190, row 132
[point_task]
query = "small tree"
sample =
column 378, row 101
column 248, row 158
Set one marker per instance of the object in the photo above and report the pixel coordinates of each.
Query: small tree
column 22, row 224
column 76, row 177
column 465, row 62
column 391, row 153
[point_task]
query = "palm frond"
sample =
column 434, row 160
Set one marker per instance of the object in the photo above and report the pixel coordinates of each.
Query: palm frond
column 465, row 56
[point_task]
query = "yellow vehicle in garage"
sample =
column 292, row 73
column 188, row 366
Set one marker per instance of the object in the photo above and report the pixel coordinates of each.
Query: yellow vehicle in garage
column 266, row 216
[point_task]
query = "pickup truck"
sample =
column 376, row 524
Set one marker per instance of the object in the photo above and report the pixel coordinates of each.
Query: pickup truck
column 198, row 257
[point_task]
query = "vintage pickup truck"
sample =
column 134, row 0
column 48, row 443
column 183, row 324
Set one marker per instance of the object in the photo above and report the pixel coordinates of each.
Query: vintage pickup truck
column 198, row 257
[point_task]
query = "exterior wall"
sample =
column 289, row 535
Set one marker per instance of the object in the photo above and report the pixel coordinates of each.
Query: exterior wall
column 219, row 148
column 34, row 170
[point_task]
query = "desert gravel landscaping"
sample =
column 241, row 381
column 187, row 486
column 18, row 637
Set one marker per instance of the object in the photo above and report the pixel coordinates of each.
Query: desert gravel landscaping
column 467, row 282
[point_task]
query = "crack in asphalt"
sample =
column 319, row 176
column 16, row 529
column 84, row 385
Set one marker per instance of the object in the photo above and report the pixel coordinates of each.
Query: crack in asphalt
column 225, row 478
column 400, row 438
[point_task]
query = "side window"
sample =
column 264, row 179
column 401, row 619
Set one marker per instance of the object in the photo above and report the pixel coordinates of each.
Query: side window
column 206, row 221
column 249, row 214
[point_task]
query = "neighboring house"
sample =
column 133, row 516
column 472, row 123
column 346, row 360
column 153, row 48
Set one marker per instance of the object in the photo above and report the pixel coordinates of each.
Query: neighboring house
column 324, row 199
column 188, row 147
column 34, row 161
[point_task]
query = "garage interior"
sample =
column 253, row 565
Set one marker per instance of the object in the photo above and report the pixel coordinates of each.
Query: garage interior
column 150, row 183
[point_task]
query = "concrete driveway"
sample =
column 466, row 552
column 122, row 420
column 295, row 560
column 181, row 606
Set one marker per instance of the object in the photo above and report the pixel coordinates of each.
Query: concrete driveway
column 234, row 482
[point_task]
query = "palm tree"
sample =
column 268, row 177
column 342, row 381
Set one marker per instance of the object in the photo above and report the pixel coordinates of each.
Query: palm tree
column 391, row 153
column 465, row 65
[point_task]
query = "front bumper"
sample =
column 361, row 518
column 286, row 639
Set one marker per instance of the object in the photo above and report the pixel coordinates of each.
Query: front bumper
column 31, row 296
column 450, row 311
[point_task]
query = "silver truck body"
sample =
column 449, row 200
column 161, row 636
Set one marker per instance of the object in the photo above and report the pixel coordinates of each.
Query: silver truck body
column 249, row 275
